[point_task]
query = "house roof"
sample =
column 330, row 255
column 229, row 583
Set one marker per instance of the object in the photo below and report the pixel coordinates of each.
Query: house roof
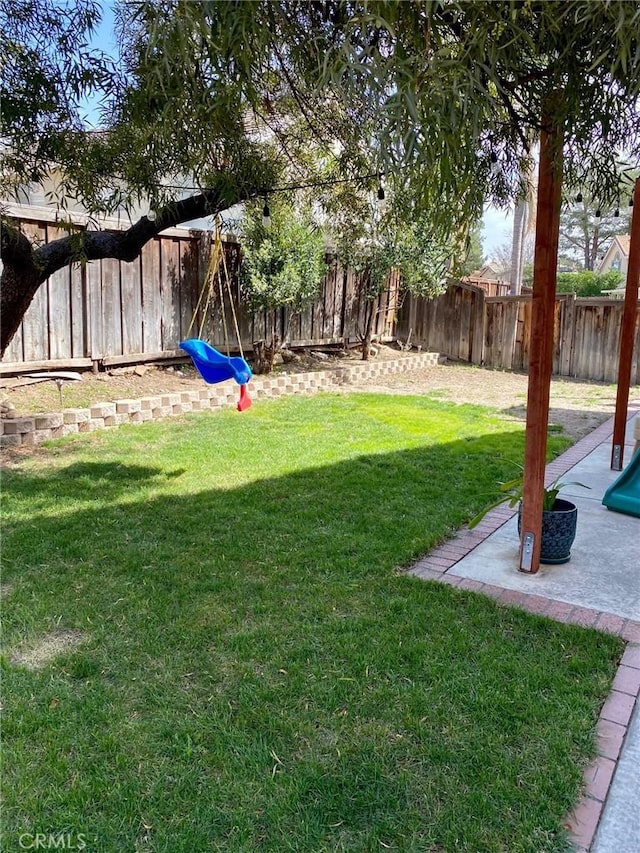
column 488, row 272
column 620, row 243
column 624, row 241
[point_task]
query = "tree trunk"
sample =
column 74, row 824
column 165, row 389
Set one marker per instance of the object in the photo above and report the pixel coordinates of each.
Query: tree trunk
column 594, row 248
column 368, row 331
column 520, row 219
column 265, row 352
column 19, row 282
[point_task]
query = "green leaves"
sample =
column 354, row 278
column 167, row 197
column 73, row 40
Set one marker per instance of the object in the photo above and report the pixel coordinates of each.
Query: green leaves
column 511, row 494
column 47, row 72
column 425, row 92
column 282, row 265
column 588, row 283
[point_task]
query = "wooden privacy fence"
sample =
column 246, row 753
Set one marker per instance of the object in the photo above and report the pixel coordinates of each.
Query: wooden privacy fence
column 495, row 331
column 491, row 287
column 110, row 312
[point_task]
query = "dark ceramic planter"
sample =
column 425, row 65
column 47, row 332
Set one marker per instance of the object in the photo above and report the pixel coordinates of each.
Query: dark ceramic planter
column 558, row 532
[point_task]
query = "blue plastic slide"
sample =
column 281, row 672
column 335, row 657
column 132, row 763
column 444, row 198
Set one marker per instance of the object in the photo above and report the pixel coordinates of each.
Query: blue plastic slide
column 624, row 494
column 213, row 366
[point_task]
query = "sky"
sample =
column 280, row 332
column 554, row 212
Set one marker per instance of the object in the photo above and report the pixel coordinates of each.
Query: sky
column 497, row 227
column 102, row 39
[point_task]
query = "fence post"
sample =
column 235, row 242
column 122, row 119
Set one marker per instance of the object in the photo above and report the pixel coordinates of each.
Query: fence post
column 567, row 334
column 479, row 321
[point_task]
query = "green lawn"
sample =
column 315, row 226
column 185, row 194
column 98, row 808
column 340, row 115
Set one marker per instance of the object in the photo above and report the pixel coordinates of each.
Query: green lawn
column 255, row 672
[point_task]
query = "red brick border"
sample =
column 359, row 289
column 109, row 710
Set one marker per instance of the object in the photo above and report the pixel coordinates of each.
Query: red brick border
column 615, row 716
column 612, row 728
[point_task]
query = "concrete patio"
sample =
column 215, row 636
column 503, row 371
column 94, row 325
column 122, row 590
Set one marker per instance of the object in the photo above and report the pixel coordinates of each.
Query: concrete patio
column 599, row 587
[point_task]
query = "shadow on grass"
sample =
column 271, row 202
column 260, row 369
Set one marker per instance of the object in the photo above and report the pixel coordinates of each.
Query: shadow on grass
column 102, row 481
column 260, row 672
column 363, row 515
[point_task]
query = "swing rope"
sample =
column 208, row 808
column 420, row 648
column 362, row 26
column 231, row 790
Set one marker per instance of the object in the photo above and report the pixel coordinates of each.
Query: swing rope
column 231, row 302
column 217, row 261
column 219, row 250
column 211, row 364
column 207, row 287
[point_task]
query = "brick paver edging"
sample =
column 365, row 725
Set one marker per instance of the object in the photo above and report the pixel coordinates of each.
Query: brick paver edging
column 34, row 429
column 615, row 717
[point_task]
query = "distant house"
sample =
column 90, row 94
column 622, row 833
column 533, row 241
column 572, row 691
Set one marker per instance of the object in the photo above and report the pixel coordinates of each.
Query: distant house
column 47, row 203
column 617, row 255
column 489, row 272
column 490, row 279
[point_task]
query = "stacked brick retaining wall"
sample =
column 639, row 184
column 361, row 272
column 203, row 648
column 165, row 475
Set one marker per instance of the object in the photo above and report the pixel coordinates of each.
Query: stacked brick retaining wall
column 36, row 428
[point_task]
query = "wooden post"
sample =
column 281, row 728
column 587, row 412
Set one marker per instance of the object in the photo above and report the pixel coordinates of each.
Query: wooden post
column 478, row 323
column 541, row 345
column 627, row 334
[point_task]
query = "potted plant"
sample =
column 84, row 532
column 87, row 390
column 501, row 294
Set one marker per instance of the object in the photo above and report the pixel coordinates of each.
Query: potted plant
column 559, row 517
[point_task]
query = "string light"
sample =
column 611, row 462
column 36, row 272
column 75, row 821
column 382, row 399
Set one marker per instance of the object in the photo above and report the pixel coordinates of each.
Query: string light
column 598, row 213
column 579, row 198
column 616, row 212
column 151, row 216
column 266, row 215
column 357, row 179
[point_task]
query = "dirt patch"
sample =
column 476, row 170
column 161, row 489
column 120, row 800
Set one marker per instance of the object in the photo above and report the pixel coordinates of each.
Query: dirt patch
column 27, row 396
column 46, row 649
column 577, row 406
column 5, row 590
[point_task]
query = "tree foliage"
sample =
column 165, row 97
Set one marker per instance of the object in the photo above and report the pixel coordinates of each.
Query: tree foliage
column 437, row 91
column 47, row 71
column 283, row 263
column 474, row 256
column 212, row 100
column 586, row 228
column 374, row 236
column 588, row 283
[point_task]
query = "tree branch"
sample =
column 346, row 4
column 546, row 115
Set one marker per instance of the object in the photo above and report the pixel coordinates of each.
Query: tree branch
column 570, row 239
column 26, row 267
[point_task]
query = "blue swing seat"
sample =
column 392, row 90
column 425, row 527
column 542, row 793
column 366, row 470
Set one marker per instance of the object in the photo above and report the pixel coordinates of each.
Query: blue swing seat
column 213, row 366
